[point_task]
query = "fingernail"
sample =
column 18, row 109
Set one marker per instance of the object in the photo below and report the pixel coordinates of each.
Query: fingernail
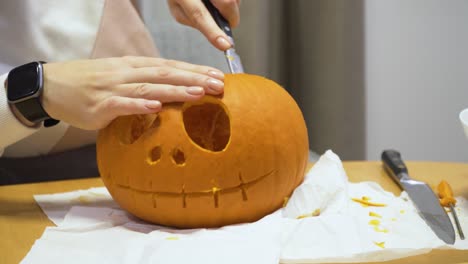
column 213, row 91
column 215, row 84
column 153, row 104
column 231, row 41
column 195, row 90
column 216, row 74
column 223, row 43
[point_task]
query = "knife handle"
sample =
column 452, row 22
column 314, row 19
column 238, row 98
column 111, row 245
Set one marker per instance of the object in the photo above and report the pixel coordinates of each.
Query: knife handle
column 218, row 18
column 394, row 163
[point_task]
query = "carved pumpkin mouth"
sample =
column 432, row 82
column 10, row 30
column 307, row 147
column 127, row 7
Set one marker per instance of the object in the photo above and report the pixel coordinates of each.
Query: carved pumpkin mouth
column 215, row 192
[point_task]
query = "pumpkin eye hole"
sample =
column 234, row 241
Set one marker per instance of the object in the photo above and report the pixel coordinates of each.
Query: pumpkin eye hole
column 155, row 154
column 136, row 130
column 178, row 157
column 207, row 125
column 156, row 122
column 139, row 124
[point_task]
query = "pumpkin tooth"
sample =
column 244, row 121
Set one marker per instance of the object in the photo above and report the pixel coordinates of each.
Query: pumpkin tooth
column 244, row 194
column 216, row 196
column 184, row 197
column 154, row 200
column 241, row 186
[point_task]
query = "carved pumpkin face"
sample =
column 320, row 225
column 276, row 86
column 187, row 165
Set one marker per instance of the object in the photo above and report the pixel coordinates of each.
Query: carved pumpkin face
column 217, row 161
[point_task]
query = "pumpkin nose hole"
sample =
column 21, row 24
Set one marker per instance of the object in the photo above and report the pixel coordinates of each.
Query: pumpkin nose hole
column 155, row 154
column 178, row 157
column 207, row 125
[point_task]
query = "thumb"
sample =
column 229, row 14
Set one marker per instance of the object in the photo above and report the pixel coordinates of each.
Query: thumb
column 201, row 19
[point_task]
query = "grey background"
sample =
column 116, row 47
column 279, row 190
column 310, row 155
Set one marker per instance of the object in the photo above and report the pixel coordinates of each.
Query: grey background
column 368, row 75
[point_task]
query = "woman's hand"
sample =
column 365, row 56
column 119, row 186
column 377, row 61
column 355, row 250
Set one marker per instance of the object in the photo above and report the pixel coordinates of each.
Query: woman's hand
column 194, row 13
column 89, row 94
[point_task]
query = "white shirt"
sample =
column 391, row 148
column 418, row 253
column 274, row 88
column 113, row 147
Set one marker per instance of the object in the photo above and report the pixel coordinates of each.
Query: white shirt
column 48, row 30
column 57, row 30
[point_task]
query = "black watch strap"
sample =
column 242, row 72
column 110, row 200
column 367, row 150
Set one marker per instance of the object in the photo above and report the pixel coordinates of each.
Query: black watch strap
column 33, row 111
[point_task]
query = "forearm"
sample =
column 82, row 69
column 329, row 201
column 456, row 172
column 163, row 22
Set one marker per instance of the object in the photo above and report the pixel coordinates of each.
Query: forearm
column 12, row 130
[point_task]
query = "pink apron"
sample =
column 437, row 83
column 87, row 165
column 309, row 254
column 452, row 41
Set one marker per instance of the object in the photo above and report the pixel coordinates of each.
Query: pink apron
column 121, row 33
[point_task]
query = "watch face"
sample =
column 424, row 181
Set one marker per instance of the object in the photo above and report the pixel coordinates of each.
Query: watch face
column 23, row 81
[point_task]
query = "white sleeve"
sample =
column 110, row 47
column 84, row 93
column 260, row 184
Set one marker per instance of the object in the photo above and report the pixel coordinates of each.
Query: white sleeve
column 11, row 129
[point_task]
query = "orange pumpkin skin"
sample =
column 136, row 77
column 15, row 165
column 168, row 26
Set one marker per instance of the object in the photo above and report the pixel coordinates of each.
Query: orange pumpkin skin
column 221, row 160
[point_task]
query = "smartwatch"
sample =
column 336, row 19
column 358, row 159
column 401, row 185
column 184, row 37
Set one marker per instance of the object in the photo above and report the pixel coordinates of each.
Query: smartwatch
column 24, row 86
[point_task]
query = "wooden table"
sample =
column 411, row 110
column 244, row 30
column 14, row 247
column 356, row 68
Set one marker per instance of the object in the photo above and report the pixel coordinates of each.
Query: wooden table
column 22, row 221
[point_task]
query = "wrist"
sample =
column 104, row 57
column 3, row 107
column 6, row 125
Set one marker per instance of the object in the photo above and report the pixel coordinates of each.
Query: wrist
column 45, row 98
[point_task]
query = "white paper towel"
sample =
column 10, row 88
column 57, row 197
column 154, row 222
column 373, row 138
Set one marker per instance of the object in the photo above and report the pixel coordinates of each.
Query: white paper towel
column 105, row 235
column 331, row 228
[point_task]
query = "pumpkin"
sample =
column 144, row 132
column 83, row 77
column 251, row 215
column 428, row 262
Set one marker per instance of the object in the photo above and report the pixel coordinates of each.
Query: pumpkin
column 220, row 160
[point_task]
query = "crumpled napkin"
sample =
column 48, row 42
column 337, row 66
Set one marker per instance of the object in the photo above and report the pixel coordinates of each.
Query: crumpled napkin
column 320, row 223
column 349, row 231
column 106, row 235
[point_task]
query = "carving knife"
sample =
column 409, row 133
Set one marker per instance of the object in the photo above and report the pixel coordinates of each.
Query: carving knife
column 422, row 196
column 233, row 60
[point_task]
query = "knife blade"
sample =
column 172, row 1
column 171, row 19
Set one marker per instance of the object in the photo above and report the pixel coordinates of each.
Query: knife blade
column 421, row 194
column 232, row 58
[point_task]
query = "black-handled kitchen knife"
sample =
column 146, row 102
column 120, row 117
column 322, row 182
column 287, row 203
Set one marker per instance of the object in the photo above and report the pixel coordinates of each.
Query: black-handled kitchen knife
column 218, row 18
column 421, row 194
column 233, row 59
